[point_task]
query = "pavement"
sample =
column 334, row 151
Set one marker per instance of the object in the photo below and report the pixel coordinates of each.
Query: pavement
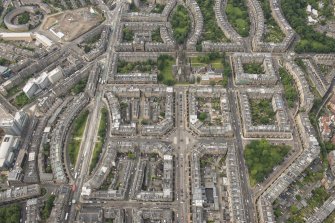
column 85, row 154
column 248, row 205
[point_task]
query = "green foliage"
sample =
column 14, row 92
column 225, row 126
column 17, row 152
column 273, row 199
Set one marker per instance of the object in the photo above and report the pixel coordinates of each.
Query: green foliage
column 156, row 36
column 12, row 91
column 4, row 62
column 46, row 210
column 277, row 212
column 262, row 112
column 158, row 8
column 330, row 218
column 101, row 135
column 273, row 32
column 253, row 68
column 10, row 214
column 93, row 39
column 107, row 182
column 48, row 206
column 87, row 48
column 298, row 197
column 261, row 157
column 133, row 8
column 291, row 93
column 145, row 122
column 181, row 24
column 164, row 64
column 103, row 123
column 79, row 87
column 310, row 40
column 319, row 196
column 329, row 146
column 211, row 30
column 312, row 176
column 128, row 35
column 124, row 67
column 76, row 134
column 131, row 155
column 202, row 116
column 21, row 100
column 206, row 161
column 237, row 14
column 23, row 18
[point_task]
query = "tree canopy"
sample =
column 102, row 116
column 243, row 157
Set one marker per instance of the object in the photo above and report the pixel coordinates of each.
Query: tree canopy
column 261, row 157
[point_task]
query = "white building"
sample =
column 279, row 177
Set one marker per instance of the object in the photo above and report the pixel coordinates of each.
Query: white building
column 8, row 145
column 55, row 75
column 43, row 40
column 43, row 81
column 14, row 125
column 30, row 89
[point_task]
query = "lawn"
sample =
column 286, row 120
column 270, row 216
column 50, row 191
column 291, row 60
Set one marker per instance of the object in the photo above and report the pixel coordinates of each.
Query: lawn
column 21, row 100
column 216, row 64
column 47, row 207
column 12, row 91
column 211, row 32
column 124, row 67
column 101, row 138
column 253, row 68
column 76, row 136
column 237, row 14
column 79, row 87
column 128, row 35
column 218, row 61
column 273, row 32
column 24, row 18
column 156, row 36
column 181, row 24
column 290, row 91
column 262, row 112
column 164, row 63
column 261, row 157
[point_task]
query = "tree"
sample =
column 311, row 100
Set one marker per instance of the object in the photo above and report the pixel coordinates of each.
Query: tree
column 181, row 24
column 10, row 214
column 261, row 157
column 131, row 155
column 212, row 83
column 128, row 35
column 294, row 209
column 202, row 116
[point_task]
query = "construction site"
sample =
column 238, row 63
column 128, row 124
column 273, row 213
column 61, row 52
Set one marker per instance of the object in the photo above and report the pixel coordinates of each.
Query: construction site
column 69, row 25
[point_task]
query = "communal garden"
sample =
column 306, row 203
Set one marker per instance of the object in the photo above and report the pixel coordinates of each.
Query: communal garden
column 76, row 135
column 237, row 14
column 181, row 24
column 261, row 157
column 262, row 112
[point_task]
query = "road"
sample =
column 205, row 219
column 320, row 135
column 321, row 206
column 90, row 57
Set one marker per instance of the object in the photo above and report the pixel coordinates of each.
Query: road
column 86, row 152
column 246, row 191
column 182, row 177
